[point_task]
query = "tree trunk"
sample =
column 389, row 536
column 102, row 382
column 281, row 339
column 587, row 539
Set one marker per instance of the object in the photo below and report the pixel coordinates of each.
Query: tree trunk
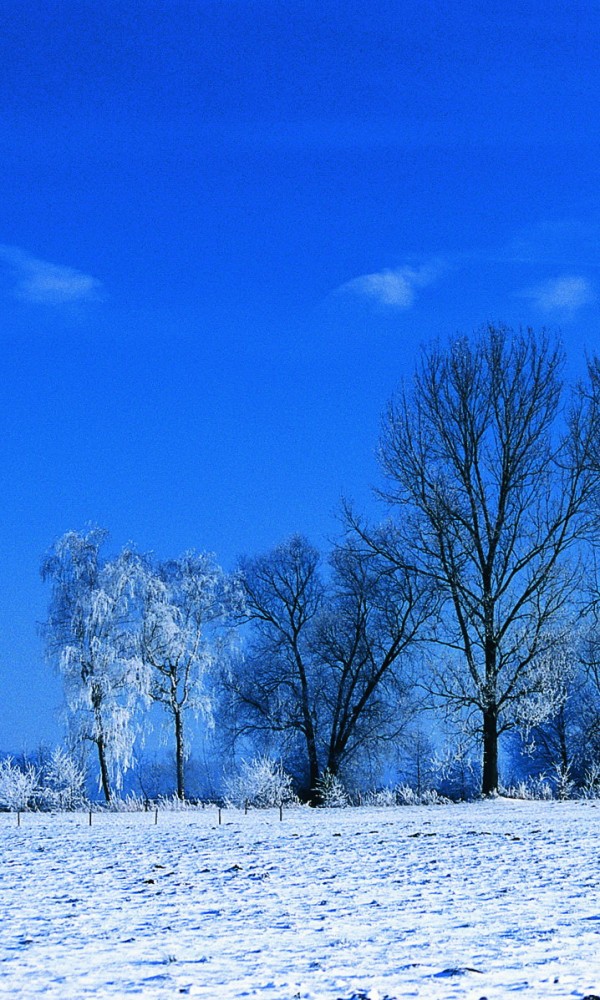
column 309, row 733
column 489, row 778
column 565, row 761
column 103, row 768
column 333, row 761
column 489, row 783
column 313, row 769
column 179, row 754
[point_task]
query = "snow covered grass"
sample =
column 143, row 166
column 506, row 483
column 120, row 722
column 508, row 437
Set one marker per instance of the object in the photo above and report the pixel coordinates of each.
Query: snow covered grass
column 489, row 899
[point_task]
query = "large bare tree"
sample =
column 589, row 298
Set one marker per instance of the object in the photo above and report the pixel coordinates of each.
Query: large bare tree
column 273, row 689
column 324, row 672
column 374, row 619
column 488, row 466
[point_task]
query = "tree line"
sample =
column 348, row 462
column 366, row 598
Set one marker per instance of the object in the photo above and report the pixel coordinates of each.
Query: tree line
column 474, row 596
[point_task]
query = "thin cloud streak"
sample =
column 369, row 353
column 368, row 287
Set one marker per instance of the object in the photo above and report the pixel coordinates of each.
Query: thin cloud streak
column 566, row 293
column 393, row 287
column 43, row 283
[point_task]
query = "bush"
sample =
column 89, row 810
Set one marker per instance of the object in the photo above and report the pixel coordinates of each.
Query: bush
column 564, row 785
column 383, row 797
column 404, row 795
column 130, row 804
column 62, row 783
column 407, row 796
column 332, row 794
column 591, row 782
column 530, row 788
column 172, row 803
column 18, row 786
column 261, row 783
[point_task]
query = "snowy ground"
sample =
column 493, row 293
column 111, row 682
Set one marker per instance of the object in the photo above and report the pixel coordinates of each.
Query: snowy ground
column 490, row 900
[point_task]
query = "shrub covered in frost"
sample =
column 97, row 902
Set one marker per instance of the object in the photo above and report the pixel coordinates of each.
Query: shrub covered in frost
column 591, row 782
column 18, row 785
column 139, row 803
column 62, row 782
column 404, row 795
column 407, row 796
column 331, row 791
column 261, row 783
column 126, row 804
column 380, row 797
column 564, row 786
column 530, row 788
column 173, row 803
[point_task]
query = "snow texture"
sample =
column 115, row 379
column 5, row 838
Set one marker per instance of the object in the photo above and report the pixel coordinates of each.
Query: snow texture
column 493, row 899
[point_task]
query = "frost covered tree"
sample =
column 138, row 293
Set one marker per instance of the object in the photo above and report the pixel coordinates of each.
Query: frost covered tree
column 62, row 781
column 183, row 635
column 90, row 638
column 566, row 743
column 332, row 793
column 18, row 785
column 488, row 467
column 260, row 782
column 416, row 763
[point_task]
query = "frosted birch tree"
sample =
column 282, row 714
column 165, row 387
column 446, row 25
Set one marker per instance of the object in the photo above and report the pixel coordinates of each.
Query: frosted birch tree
column 183, row 635
column 90, row 638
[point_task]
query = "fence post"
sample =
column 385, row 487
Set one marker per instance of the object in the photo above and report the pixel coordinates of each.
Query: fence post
column 219, row 815
column 156, row 817
column 18, row 817
column 90, row 818
column 280, row 811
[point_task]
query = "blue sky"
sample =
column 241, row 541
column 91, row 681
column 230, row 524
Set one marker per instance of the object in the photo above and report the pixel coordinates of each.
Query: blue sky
column 225, row 229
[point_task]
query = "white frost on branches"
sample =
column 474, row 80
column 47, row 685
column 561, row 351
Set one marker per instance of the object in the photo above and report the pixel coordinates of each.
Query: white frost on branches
column 90, row 637
column 550, row 675
column 262, row 783
column 62, row 782
column 185, row 611
column 182, row 598
column 331, row 791
column 17, row 785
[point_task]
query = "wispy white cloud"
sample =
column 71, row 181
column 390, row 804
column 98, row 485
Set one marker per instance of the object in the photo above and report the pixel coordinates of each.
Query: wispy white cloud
column 564, row 294
column 38, row 281
column 394, row 287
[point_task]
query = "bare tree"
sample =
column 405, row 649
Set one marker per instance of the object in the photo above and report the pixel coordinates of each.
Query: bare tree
column 492, row 478
column 273, row 690
column 374, row 617
column 323, row 668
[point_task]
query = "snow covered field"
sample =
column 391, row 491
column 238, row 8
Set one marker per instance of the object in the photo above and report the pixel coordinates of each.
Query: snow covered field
column 492, row 899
